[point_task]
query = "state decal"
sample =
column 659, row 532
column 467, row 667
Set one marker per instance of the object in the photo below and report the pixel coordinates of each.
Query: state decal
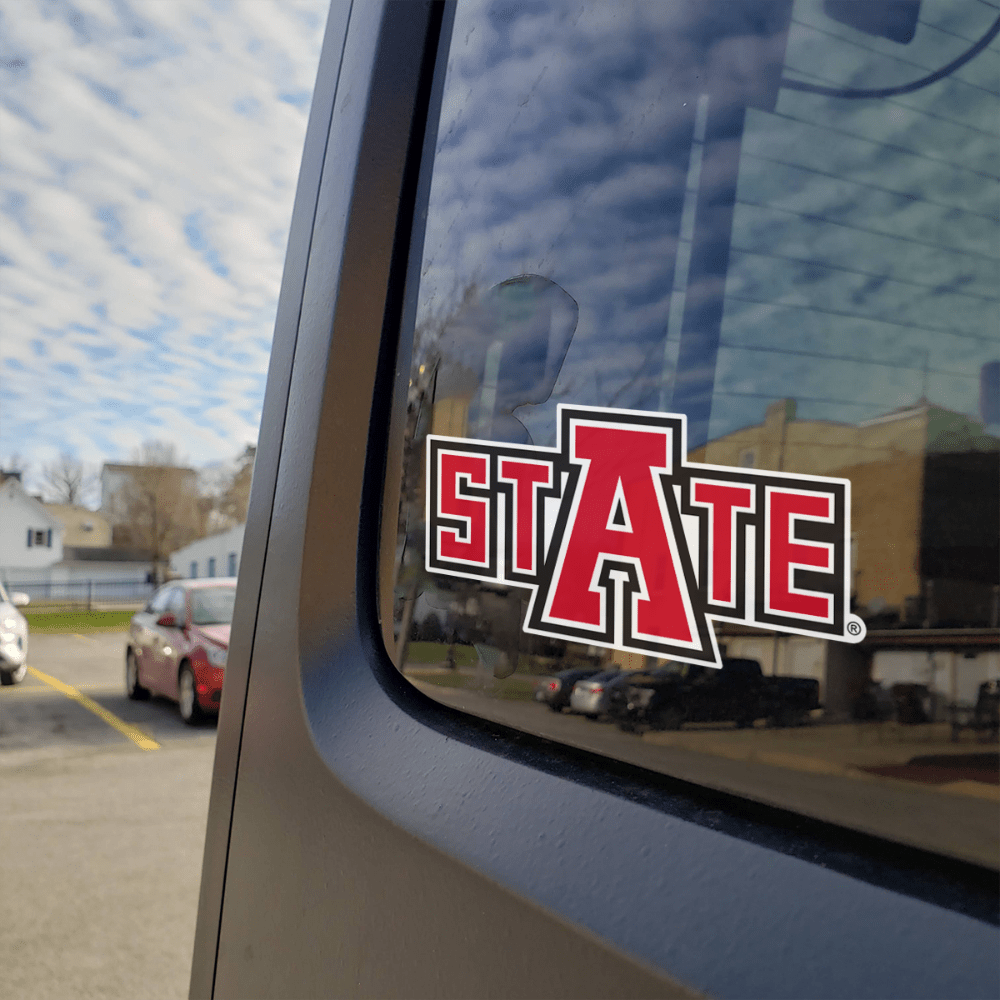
column 623, row 544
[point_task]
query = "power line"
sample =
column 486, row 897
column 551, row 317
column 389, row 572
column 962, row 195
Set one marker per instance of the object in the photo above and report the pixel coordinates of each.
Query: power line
column 865, row 274
column 954, row 34
column 761, row 349
column 867, row 319
column 799, row 399
column 867, row 184
column 891, row 145
column 906, row 88
column 912, row 108
column 871, row 232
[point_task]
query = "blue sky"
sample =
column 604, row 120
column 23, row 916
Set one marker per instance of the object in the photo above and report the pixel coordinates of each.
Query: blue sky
column 148, row 164
column 865, row 261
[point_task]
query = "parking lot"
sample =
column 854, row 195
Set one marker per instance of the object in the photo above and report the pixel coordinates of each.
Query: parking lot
column 105, row 803
column 101, row 830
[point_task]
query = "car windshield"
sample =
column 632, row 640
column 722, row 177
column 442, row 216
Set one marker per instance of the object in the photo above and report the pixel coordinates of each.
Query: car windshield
column 212, row 606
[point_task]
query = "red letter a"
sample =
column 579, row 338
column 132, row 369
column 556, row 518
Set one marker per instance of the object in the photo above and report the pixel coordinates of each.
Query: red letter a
column 618, row 575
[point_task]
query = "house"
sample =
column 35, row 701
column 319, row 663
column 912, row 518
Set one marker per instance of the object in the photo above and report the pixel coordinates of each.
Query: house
column 119, row 480
column 31, row 537
column 36, row 556
column 216, row 555
column 84, row 528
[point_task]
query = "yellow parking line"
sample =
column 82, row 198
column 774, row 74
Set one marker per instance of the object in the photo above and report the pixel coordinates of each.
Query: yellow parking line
column 135, row 735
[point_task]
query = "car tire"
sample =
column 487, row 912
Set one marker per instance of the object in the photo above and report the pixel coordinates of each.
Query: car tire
column 555, row 708
column 669, row 718
column 14, row 675
column 187, row 696
column 133, row 688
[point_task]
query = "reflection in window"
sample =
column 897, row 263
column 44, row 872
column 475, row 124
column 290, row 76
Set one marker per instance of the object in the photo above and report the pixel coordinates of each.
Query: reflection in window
column 760, row 217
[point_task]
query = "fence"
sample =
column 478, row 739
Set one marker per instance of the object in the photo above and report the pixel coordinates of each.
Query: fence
column 50, row 594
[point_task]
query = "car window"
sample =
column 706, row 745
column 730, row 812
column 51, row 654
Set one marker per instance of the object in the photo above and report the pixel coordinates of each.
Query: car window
column 159, row 601
column 765, row 233
column 177, row 605
column 212, row 605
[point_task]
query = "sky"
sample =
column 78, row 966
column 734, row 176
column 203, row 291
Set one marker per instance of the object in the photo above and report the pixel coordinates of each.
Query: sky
column 864, row 260
column 149, row 153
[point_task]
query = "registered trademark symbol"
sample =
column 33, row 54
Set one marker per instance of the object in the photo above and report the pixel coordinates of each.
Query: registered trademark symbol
column 854, row 628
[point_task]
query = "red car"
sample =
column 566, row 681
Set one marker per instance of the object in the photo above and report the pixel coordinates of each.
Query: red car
column 177, row 645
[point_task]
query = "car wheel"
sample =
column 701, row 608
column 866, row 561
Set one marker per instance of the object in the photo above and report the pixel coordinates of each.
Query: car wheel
column 14, row 676
column 187, row 696
column 132, row 686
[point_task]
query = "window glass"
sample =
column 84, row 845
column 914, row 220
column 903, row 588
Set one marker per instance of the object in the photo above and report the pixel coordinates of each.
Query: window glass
column 762, row 236
column 177, row 605
column 159, row 601
column 212, row 605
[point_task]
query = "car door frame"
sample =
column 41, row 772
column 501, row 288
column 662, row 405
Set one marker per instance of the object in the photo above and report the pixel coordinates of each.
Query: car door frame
column 334, row 862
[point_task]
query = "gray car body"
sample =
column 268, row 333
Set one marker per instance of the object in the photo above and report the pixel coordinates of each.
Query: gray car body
column 366, row 841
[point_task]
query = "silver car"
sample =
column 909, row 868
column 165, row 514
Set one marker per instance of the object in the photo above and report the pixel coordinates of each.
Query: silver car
column 590, row 696
column 13, row 638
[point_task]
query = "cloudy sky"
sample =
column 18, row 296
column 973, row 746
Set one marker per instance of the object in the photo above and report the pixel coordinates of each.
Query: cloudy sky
column 148, row 159
column 863, row 268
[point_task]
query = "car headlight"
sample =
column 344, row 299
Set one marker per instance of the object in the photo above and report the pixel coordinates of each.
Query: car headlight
column 8, row 637
column 216, row 656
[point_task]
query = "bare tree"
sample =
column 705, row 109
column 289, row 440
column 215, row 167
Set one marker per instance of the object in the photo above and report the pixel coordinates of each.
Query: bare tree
column 67, row 480
column 224, row 490
column 236, row 496
column 158, row 504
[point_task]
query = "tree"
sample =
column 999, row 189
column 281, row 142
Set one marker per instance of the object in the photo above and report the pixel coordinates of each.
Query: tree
column 224, row 489
column 67, row 480
column 236, row 497
column 157, row 505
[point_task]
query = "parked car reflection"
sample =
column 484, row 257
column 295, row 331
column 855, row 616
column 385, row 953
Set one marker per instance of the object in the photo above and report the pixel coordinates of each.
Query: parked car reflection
column 739, row 693
column 556, row 691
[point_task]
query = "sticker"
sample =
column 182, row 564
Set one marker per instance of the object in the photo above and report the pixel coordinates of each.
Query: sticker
column 625, row 545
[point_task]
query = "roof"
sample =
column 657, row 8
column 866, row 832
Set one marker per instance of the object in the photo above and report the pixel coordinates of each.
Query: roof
column 14, row 484
column 205, row 582
column 105, row 553
column 129, row 466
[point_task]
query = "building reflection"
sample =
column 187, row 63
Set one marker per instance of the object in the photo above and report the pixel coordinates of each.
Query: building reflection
column 925, row 560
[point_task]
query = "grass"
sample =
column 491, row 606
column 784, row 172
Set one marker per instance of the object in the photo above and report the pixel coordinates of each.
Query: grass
column 437, row 652
column 516, row 688
column 78, row 621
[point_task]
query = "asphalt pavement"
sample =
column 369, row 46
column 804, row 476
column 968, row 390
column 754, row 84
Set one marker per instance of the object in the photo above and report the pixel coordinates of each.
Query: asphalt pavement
column 102, row 826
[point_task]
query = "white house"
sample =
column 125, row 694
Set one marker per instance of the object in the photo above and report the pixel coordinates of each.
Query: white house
column 217, row 555
column 30, row 537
